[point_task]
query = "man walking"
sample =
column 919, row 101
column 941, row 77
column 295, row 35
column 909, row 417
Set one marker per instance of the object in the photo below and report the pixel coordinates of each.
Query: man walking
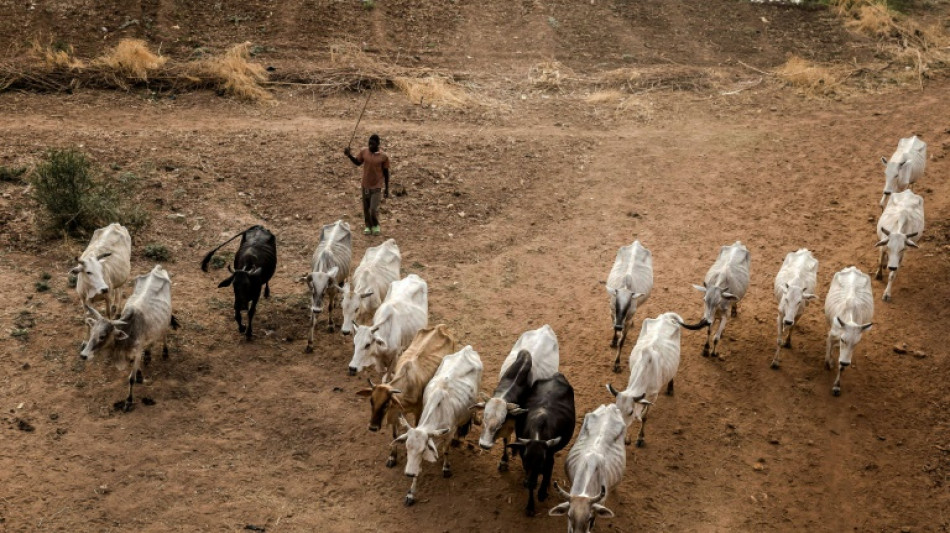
column 375, row 175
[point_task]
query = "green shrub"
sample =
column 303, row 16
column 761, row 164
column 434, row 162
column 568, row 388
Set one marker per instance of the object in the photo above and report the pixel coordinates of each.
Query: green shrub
column 76, row 202
column 41, row 286
column 158, row 252
column 12, row 174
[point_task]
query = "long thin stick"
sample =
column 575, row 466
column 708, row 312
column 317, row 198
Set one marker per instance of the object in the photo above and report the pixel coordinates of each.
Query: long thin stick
column 368, row 94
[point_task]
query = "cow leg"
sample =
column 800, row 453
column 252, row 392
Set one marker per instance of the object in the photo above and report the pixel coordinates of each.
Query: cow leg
column 165, row 346
column 546, row 476
column 669, row 388
column 250, row 318
column 313, row 325
column 446, row 467
column 881, row 263
column 735, row 309
column 136, row 370
column 828, row 352
column 530, row 482
column 778, row 350
column 623, row 338
column 613, row 339
column 393, row 459
column 503, row 464
column 411, row 495
column 836, row 389
column 890, row 281
column 788, row 339
column 643, row 425
column 240, row 322
column 708, row 332
column 267, row 290
column 723, row 320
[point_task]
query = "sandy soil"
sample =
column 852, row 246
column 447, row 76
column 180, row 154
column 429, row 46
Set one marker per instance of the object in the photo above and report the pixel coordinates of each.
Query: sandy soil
column 513, row 216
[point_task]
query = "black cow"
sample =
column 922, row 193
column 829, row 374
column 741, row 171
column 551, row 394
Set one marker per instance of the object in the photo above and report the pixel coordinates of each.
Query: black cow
column 543, row 431
column 254, row 264
column 504, row 405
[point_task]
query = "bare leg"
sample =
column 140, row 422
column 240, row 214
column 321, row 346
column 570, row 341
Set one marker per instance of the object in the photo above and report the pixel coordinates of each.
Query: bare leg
column 411, row 496
column 881, row 263
column 136, row 369
column 643, row 425
column 503, row 464
column 669, row 388
column 613, row 339
column 708, row 332
column 836, row 389
column 313, row 325
column 267, row 290
column 393, row 455
column 250, row 319
column 890, row 281
column 330, row 313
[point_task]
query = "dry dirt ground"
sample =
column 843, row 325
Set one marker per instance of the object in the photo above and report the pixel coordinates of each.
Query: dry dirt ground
column 513, row 215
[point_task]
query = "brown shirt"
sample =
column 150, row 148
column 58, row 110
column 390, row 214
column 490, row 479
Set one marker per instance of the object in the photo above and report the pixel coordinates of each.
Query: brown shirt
column 373, row 165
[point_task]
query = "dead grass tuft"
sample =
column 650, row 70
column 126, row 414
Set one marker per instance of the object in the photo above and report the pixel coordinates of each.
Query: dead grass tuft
column 131, row 58
column 810, row 79
column 608, row 96
column 55, row 57
column 549, row 75
column 232, row 73
column 434, row 90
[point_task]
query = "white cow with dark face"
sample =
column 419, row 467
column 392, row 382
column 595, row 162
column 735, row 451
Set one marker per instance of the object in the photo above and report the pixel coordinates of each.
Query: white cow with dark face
column 629, row 285
column 595, row 466
column 794, row 288
column 725, row 284
column 849, row 308
column 329, row 267
column 905, row 167
column 901, row 221
column 404, row 312
column 104, row 267
column 363, row 295
column 445, row 414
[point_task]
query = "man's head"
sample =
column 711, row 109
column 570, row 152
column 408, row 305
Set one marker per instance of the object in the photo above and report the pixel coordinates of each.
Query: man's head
column 374, row 143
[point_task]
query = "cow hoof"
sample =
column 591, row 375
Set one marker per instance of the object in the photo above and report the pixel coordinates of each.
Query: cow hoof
column 774, row 365
column 706, row 351
column 787, row 344
column 138, row 377
column 391, row 462
column 524, row 482
column 446, row 473
column 886, row 297
column 613, row 343
column 503, row 466
column 125, row 406
column 330, row 329
column 714, row 354
column 616, row 369
column 827, row 365
column 879, row 276
column 147, row 401
column 530, row 512
column 308, row 349
column 836, row 391
column 242, row 329
column 164, row 352
column 542, row 495
column 640, row 443
column 410, row 500
column 626, row 441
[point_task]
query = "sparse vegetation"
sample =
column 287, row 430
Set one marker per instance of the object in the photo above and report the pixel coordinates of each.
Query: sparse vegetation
column 157, row 252
column 41, row 286
column 131, row 58
column 810, row 79
column 12, row 174
column 74, row 201
column 218, row 262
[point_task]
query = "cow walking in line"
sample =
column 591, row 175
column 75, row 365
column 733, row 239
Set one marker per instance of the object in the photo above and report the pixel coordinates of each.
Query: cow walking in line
column 629, row 285
column 725, row 284
column 906, row 166
column 901, row 221
column 254, row 264
column 849, row 308
column 369, row 284
column 104, row 267
column 794, row 288
column 329, row 268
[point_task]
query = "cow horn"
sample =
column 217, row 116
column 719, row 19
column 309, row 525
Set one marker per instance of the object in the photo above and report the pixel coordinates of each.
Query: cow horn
column 92, row 311
column 912, row 235
column 370, row 381
column 885, row 232
column 638, row 398
column 395, row 391
column 601, row 496
column 564, row 494
column 699, row 325
column 610, row 387
column 231, row 270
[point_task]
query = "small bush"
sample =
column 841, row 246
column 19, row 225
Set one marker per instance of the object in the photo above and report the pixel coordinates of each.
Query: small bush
column 71, row 281
column 75, row 202
column 20, row 333
column 157, row 252
column 41, row 286
column 46, row 276
column 12, row 174
column 218, row 262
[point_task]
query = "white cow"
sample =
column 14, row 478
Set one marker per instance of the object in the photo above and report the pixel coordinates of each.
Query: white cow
column 901, row 221
column 653, row 365
column 544, row 358
column 629, row 285
column 145, row 320
column 370, row 282
column 104, row 267
column 849, row 308
column 794, row 287
column 329, row 268
column 594, row 465
column 726, row 283
column 445, row 413
column 905, row 167
column 404, row 312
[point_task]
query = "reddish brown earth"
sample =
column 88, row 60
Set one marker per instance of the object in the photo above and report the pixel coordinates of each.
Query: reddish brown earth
column 513, row 215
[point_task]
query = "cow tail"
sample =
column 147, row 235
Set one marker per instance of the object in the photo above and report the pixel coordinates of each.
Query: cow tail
column 207, row 259
column 175, row 324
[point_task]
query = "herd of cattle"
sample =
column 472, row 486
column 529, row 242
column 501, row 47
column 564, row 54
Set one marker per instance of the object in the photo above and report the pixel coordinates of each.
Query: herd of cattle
column 424, row 373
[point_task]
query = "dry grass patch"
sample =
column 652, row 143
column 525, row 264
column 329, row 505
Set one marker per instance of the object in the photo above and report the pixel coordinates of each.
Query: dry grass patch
column 609, row 96
column 549, row 75
column 232, row 73
column 809, row 78
column 131, row 58
column 53, row 57
column 434, row 90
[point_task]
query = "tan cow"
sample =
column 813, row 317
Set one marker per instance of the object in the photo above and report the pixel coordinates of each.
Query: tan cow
column 413, row 370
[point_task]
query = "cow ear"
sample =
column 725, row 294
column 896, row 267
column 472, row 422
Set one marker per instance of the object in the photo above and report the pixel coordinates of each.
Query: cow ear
column 881, row 242
column 401, row 438
column 333, row 272
column 103, row 256
column 553, row 442
column 911, row 243
column 438, row 432
column 367, row 294
column 76, row 269
column 698, row 288
column 729, row 296
column 90, row 321
column 601, row 511
column 809, row 296
column 560, row 510
column 839, row 321
column 254, row 272
column 121, row 335
column 884, row 160
column 867, row 326
column 479, row 405
column 303, row 279
column 517, row 411
column 364, row 392
column 227, row 281
column 612, row 292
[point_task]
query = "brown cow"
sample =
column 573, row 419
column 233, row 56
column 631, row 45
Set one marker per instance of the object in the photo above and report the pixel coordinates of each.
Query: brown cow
column 413, row 370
